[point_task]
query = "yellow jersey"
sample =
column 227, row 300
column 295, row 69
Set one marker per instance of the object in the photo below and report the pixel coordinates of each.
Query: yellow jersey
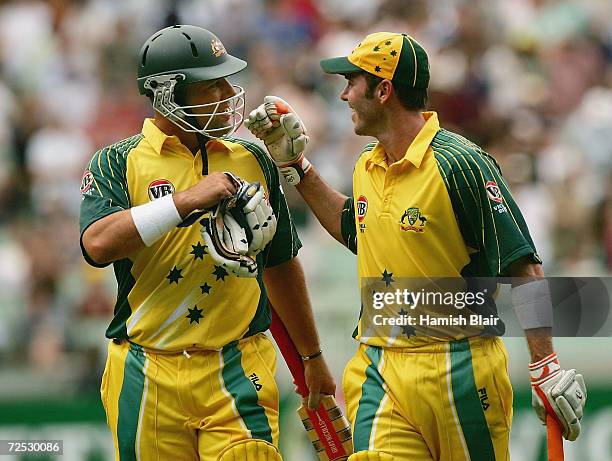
column 442, row 211
column 172, row 296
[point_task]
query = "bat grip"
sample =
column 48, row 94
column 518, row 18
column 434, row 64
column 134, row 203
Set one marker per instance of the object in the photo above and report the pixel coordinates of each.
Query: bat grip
column 554, row 439
column 290, row 353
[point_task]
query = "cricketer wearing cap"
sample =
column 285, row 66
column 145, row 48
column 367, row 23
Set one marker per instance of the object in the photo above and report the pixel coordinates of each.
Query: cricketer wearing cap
column 190, row 373
column 426, row 203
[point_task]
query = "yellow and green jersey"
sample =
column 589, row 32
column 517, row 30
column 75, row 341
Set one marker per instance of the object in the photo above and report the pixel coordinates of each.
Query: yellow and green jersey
column 443, row 210
column 172, row 296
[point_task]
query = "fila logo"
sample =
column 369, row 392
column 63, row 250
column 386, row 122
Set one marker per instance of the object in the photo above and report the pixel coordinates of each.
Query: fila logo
column 362, row 207
column 483, row 398
column 160, row 188
column 493, row 191
column 254, row 378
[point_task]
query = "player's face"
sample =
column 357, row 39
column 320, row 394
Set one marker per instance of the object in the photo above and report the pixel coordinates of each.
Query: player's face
column 211, row 91
column 365, row 115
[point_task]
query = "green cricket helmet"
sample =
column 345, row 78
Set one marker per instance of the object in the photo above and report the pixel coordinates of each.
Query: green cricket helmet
column 180, row 55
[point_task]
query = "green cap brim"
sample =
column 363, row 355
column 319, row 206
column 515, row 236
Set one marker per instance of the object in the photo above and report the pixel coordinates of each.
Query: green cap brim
column 339, row 65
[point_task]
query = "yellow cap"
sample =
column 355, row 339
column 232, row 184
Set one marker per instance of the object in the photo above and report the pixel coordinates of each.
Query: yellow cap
column 388, row 55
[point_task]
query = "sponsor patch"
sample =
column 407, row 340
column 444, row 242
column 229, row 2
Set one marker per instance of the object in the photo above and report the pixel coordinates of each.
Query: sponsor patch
column 494, row 192
column 217, row 47
column 160, row 188
column 86, row 181
column 362, row 207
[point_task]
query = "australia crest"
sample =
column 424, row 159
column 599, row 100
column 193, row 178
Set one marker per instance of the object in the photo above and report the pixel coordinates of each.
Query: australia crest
column 413, row 220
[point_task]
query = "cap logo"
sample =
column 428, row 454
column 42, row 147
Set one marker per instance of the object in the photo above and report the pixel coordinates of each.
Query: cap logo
column 160, row 188
column 217, row 47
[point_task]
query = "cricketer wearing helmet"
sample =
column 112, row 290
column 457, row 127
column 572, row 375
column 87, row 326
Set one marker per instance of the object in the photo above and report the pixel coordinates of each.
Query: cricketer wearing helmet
column 426, row 203
column 190, row 372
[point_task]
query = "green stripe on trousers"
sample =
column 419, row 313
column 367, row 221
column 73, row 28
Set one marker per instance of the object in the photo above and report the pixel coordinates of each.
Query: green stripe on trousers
column 245, row 395
column 372, row 393
column 469, row 410
column 129, row 403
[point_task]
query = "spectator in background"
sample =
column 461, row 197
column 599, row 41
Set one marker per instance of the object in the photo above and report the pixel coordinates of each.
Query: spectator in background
column 520, row 77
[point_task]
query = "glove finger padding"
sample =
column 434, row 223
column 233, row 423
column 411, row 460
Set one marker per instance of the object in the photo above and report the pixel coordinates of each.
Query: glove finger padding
column 256, row 244
column 253, row 213
column 570, row 421
column 295, row 132
column 234, row 235
column 258, row 121
column 254, row 201
column 271, row 219
column 268, row 227
column 239, row 265
column 262, row 223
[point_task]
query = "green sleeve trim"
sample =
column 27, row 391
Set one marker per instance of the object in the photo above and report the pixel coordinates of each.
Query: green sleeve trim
column 347, row 225
column 86, row 256
column 108, row 192
column 497, row 230
column 519, row 253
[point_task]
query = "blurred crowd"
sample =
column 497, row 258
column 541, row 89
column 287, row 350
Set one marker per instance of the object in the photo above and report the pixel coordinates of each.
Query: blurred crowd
column 529, row 80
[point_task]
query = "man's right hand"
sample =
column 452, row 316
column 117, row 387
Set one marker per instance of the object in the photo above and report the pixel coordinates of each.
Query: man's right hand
column 206, row 193
column 559, row 393
column 284, row 134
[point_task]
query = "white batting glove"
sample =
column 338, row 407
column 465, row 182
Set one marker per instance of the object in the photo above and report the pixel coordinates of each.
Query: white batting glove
column 560, row 393
column 284, row 134
column 239, row 228
column 261, row 222
column 226, row 240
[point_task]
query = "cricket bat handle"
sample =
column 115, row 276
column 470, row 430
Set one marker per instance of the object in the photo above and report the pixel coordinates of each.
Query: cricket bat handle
column 554, row 439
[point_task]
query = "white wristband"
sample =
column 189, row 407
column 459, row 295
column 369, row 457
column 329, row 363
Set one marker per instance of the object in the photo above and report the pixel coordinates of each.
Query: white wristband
column 155, row 218
column 533, row 305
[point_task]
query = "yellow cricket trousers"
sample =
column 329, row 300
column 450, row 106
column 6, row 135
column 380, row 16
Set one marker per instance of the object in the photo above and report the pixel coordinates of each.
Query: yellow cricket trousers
column 189, row 406
column 449, row 401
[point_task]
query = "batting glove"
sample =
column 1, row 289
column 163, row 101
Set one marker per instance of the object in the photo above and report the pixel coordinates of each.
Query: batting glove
column 239, row 228
column 284, row 134
column 557, row 392
column 259, row 218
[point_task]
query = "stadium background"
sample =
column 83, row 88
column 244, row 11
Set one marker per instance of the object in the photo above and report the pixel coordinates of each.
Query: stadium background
column 530, row 80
